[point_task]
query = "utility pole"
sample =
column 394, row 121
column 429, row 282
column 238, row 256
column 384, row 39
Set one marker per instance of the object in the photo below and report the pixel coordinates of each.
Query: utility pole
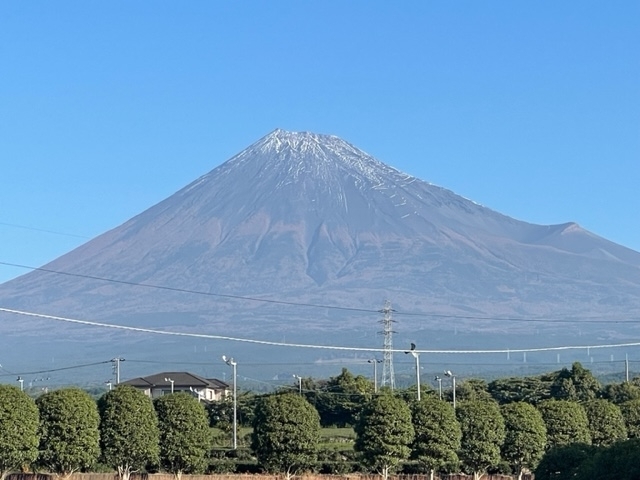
column 388, row 377
column 299, row 378
column 626, row 367
column 116, row 368
column 375, row 362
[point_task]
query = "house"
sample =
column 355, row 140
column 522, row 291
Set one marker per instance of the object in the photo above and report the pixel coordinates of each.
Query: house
column 158, row 384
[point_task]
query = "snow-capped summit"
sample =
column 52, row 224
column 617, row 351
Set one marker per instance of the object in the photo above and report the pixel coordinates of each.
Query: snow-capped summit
column 309, row 218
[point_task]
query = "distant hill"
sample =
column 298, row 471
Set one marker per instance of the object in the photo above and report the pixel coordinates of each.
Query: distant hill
column 310, row 219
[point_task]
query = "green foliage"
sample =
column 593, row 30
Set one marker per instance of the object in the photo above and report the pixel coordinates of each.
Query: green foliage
column 620, row 461
column 527, row 389
column 129, row 434
column 606, row 424
column 483, row 433
column 185, row 437
column 474, row 389
column 339, row 400
column 437, row 435
column 631, row 414
column 563, row 462
column 566, row 422
column 620, row 392
column 286, row 432
column 69, row 430
column 384, row 433
column 577, row 384
column 526, row 436
column 19, row 422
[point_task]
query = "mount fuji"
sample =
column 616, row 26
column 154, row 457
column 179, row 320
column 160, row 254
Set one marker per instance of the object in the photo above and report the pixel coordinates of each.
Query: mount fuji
column 302, row 220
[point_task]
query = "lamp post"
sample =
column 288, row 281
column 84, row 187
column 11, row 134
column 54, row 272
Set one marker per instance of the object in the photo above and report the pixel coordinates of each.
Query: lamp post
column 232, row 363
column 416, row 355
column 448, row 373
column 21, row 380
column 299, row 383
column 170, row 380
column 375, row 362
column 109, row 384
column 439, row 380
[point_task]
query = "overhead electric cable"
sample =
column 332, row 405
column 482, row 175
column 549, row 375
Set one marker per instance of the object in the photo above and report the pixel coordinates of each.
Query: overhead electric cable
column 73, row 367
column 25, row 227
column 567, row 320
column 304, row 345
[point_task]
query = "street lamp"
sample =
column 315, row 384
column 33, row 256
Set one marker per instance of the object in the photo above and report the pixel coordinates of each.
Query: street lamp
column 109, row 384
column 375, row 362
column 21, row 380
column 299, row 383
column 447, row 373
column 439, row 380
column 170, row 380
column 232, row 363
column 416, row 355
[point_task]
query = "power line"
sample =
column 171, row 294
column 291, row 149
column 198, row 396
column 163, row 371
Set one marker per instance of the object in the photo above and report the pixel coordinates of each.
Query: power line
column 311, row 346
column 566, row 320
column 56, row 369
column 25, row 227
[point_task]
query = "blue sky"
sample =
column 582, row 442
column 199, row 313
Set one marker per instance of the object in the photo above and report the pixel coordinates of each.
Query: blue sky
column 106, row 108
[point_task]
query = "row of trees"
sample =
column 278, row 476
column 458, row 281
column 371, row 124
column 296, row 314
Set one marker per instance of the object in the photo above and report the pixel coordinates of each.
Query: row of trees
column 64, row 431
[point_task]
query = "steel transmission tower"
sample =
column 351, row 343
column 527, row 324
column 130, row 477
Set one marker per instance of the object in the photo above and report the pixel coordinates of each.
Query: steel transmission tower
column 388, row 377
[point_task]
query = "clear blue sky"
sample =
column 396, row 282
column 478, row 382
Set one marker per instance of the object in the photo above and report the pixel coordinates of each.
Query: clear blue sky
column 106, row 108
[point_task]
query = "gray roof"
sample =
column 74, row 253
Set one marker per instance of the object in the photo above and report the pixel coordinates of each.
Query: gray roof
column 180, row 380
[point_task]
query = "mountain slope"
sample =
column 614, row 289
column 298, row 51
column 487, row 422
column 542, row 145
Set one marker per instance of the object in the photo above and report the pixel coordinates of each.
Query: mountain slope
column 309, row 218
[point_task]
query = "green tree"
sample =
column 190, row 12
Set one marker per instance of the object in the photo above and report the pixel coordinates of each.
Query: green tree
column 471, row 389
column 437, row 435
column 69, row 431
column 564, row 462
column 620, row 461
column 185, row 437
column 620, row 392
column 526, row 436
column 566, row 422
column 129, row 432
column 606, row 423
column 577, row 384
column 527, row 389
column 19, row 422
column 286, row 433
column 482, row 435
column 383, row 433
column 631, row 414
column 340, row 399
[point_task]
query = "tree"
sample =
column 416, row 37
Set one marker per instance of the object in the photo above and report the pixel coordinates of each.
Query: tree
column 527, row 389
column 606, row 423
column 620, row 392
column 286, row 433
column 437, row 435
column 631, row 414
column 19, row 421
column 620, row 461
column 577, row 384
column 566, row 422
column 129, row 433
column 185, row 437
column 471, row 389
column 564, row 462
column 482, row 435
column 383, row 433
column 339, row 400
column 69, row 431
column 526, row 436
